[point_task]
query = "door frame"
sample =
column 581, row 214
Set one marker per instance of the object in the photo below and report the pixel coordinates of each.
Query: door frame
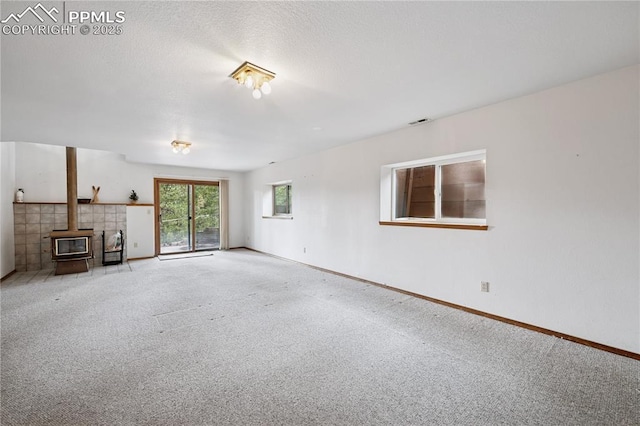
column 156, row 205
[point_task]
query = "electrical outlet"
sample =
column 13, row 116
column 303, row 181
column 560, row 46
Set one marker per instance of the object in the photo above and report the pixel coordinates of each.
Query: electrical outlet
column 135, row 245
column 484, row 286
column 304, row 250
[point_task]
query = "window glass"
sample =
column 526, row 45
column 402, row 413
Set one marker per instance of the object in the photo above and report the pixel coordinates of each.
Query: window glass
column 463, row 190
column 282, row 199
column 448, row 190
column 415, row 196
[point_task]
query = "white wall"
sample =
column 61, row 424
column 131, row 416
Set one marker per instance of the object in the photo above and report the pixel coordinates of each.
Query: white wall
column 41, row 171
column 140, row 225
column 563, row 197
column 7, row 196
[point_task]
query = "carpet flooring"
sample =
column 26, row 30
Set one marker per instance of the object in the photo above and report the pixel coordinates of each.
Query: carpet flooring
column 241, row 338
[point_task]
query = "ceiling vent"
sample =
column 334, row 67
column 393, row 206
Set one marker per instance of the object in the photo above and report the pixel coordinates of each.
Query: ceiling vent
column 422, row 120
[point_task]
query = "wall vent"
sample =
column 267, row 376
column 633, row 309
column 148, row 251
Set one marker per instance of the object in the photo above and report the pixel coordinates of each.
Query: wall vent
column 420, row 121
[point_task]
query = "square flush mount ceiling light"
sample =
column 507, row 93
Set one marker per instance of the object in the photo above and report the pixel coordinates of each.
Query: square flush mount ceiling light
column 180, row 146
column 255, row 78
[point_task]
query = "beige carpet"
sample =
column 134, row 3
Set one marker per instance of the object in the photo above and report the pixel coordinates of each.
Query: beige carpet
column 240, row 338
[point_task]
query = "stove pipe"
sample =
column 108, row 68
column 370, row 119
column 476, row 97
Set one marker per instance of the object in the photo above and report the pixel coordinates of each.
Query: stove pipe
column 72, row 190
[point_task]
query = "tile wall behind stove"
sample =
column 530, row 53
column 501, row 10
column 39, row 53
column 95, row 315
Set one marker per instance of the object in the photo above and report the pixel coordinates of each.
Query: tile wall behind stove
column 34, row 221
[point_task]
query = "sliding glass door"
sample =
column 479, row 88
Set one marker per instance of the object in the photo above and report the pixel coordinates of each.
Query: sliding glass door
column 206, row 200
column 175, row 218
column 187, row 216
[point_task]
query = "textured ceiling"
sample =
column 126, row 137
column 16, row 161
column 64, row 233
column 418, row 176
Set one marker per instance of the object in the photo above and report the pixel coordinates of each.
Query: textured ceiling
column 345, row 71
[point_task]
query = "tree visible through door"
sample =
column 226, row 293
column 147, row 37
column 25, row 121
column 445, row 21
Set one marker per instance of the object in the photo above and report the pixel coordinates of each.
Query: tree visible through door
column 189, row 216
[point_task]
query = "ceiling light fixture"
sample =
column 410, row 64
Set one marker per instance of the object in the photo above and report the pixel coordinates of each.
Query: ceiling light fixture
column 255, row 78
column 180, row 146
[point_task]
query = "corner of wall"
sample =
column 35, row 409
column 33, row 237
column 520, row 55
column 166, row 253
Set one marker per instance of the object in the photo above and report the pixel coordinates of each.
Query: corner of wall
column 7, row 188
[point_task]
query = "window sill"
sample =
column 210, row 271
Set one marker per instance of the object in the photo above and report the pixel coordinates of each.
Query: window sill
column 278, row 217
column 439, row 225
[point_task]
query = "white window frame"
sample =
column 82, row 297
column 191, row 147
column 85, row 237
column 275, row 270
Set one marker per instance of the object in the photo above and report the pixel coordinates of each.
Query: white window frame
column 388, row 192
column 269, row 204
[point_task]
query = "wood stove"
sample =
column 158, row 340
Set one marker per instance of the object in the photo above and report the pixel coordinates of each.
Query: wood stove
column 72, row 248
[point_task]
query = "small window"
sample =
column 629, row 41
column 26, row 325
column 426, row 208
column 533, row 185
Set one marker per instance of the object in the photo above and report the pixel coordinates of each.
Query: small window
column 447, row 190
column 463, row 190
column 415, row 192
column 282, row 200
